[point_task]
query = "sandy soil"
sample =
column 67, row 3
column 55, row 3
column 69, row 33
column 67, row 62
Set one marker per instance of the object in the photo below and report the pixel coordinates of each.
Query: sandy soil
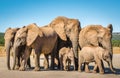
column 29, row 73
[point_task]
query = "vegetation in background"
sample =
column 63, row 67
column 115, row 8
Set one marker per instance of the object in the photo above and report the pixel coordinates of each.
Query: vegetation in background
column 2, row 39
column 116, row 40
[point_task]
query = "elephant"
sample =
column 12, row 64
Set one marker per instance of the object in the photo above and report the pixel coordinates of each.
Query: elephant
column 66, row 56
column 68, row 33
column 41, row 39
column 96, row 35
column 9, row 42
column 92, row 53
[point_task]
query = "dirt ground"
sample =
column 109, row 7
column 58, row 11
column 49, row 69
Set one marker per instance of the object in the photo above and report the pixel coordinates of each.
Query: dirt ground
column 29, row 73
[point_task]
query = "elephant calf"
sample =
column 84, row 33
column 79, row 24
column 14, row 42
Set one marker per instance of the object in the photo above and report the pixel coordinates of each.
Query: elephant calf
column 90, row 53
column 66, row 57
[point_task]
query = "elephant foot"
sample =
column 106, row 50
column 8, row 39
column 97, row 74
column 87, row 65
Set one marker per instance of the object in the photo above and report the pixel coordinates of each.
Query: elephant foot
column 17, row 67
column 22, row 68
column 79, row 70
column 101, row 72
column 37, row 69
column 65, row 69
column 94, row 71
column 88, row 71
column 46, row 67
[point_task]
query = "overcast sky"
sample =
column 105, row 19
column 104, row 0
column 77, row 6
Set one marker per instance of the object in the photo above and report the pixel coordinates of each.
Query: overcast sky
column 18, row 13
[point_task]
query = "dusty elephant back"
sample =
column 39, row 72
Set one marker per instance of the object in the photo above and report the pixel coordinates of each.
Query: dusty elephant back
column 48, row 31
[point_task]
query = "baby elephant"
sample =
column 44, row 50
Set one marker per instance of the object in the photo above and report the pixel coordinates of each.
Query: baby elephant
column 89, row 54
column 66, row 56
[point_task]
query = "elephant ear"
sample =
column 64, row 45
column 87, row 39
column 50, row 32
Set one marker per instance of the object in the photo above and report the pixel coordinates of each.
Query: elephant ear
column 59, row 26
column 33, row 33
column 110, row 27
column 101, row 31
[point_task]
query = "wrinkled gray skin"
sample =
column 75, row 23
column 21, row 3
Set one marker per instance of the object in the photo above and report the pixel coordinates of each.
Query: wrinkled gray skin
column 89, row 54
column 66, row 57
column 9, row 42
column 42, row 40
column 68, row 31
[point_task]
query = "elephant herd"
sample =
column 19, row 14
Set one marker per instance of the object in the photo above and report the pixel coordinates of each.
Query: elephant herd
column 64, row 40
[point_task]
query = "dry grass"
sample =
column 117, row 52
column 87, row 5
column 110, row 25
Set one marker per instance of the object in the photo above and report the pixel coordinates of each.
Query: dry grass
column 2, row 51
column 116, row 50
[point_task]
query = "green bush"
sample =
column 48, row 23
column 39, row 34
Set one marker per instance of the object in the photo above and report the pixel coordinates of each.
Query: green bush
column 2, row 41
column 116, row 43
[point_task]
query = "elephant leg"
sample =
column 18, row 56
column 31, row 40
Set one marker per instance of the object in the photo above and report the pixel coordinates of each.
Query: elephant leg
column 37, row 65
column 61, row 62
column 28, row 59
column 87, row 68
column 76, row 63
column 69, row 65
column 52, row 61
column 79, row 66
column 17, row 63
column 25, row 57
column 64, row 64
column 99, row 63
column 73, row 62
column 29, row 63
column 46, row 62
column 95, row 67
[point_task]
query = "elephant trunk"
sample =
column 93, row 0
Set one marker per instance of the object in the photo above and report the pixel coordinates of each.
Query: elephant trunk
column 8, row 47
column 107, row 44
column 111, row 67
column 75, row 46
column 15, row 51
column 75, row 50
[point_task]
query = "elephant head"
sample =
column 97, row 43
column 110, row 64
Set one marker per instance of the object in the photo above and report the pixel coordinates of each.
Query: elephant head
column 106, row 56
column 96, row 35
column 67, row 29
column 25, row 36
column 9, row 41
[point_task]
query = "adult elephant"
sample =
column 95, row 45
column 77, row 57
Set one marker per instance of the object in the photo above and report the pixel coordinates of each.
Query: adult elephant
column 97, row 35
column 9, row 41
column 68, row 32
column 42, row 40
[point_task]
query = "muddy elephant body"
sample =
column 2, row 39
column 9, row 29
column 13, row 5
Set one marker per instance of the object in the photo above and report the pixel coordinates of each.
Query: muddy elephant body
column 42, row 40
column 90, row 54
column 68, row 33
column 66, row 57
